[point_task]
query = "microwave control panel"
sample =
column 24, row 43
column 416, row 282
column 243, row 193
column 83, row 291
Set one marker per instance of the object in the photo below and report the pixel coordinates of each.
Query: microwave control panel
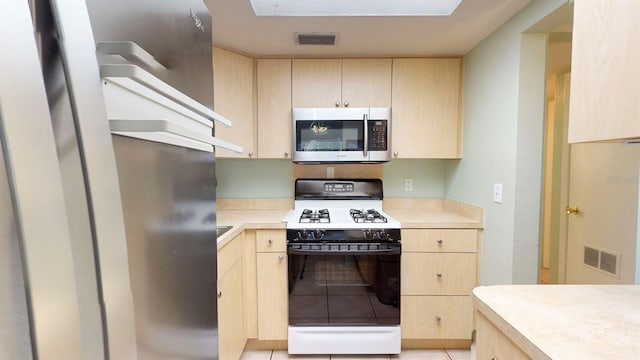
column 377, row 135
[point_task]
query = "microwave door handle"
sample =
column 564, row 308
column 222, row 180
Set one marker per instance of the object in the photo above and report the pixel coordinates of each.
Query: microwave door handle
column 366, row 136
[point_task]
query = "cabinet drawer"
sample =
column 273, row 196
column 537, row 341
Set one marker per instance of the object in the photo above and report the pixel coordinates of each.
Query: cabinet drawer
column 492, row 343
column 438, row 274
column 436, row 317
column 271, row 241
column 228, row 255
column 440, row 240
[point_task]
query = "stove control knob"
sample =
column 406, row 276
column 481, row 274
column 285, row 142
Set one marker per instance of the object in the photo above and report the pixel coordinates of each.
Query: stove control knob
column 319, row 234
column 304, row 235
column 383, row 235
column 368, row 234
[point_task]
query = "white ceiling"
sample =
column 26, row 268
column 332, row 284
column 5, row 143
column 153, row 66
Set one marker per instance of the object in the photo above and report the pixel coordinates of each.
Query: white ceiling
column 235, row 27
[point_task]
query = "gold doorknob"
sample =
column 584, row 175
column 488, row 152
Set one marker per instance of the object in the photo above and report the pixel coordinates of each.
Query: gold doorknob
column 572, row 210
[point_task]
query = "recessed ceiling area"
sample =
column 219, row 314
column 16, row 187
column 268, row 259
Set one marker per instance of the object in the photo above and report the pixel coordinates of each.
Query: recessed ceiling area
column 354, row 7
column 237, row 28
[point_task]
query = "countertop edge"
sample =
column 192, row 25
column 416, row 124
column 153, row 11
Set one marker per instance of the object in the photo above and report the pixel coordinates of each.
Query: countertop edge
column 529, row 348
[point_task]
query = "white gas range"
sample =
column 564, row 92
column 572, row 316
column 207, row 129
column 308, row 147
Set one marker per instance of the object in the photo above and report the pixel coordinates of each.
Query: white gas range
column 344, row 269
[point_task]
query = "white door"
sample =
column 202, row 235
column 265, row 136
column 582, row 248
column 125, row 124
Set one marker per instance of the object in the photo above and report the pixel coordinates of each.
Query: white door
column 601, row 240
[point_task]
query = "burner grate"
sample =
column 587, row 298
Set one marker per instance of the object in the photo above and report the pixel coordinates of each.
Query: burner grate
column 311, row 216
column 367, row 216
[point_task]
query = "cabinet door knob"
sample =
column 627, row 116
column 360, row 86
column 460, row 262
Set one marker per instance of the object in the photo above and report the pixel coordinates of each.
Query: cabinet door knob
column 346, row 104
column 270, row 241
column 337, row 103
column 438, row 318
column 395, row 154
column 280, row 258
column 439, row 275
column 250, row 154
column 286, row 154
column 440, row 241
column 219, row 294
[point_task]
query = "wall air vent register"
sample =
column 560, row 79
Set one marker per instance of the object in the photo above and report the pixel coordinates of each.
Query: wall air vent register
column 602, row 260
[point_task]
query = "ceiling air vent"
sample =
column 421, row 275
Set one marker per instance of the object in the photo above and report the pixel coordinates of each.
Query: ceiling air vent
column 315, row 39
column 602, row 260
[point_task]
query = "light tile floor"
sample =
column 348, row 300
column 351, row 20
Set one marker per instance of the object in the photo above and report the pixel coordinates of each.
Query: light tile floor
column 405, row 355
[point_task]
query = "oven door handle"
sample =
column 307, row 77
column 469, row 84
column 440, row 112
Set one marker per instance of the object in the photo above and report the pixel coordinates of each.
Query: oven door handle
column 389, row 251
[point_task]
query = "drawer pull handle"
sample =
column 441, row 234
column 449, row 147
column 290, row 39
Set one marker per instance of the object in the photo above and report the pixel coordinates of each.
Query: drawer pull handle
column 219, row 294
column 438, row 318
column 280, row 258
column 440, row 241
column 270, row 241
column 439, row 275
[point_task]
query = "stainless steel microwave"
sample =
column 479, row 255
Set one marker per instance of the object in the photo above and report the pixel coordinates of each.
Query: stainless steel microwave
column 334, row 135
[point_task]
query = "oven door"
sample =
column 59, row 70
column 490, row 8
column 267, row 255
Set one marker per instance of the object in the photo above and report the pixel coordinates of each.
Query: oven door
column 344, row 284
column 344, row 298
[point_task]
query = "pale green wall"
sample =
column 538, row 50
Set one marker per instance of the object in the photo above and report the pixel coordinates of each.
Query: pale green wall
column 497, row 134
column 427, row 175
column 272, row 178
column 254, row 178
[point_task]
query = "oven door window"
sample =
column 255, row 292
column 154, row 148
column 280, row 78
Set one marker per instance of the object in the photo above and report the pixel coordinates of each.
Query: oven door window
column 329, row 135
column 344, row 290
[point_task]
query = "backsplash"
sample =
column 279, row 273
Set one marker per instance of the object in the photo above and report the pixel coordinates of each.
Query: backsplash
column 244, row 178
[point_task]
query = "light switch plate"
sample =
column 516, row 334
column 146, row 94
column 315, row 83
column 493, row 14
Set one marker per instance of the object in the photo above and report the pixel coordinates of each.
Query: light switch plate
column 497, row 193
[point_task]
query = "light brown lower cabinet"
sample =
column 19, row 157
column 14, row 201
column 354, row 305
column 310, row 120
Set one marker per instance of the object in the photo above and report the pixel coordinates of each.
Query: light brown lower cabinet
column 438, row 272
column 273, row 309
column 493, row 344
column 231, row 334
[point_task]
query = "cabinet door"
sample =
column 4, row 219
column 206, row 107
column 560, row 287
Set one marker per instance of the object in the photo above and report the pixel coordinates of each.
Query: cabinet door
column 426, row 108
column 230, row 314
column 366, row 82
column 274, row 108
column 316, row 82
column 436, row 317
column 272, row 296
column 438, row 274
column 229, row 255
column 491, row 343
column 233, row 98
column 605, row 91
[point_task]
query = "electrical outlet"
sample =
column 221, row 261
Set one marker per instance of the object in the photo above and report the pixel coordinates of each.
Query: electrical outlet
column 408, row 184
column 497, row 193
column 331, row 172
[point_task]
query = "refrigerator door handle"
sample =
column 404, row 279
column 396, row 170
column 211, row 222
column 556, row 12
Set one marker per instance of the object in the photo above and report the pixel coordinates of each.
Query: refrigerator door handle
column 170, row 133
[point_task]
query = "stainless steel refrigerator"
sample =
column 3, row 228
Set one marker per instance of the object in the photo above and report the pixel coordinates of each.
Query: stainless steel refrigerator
column 108, row 233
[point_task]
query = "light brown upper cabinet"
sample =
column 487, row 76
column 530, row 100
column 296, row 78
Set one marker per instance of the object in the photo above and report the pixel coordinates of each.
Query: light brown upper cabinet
column 605, row 80
column 426, row 107
column 274, row 108
column 233, row 98
column 341, row 82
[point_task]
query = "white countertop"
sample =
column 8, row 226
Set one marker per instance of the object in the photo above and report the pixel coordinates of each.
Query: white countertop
column 566, row 321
